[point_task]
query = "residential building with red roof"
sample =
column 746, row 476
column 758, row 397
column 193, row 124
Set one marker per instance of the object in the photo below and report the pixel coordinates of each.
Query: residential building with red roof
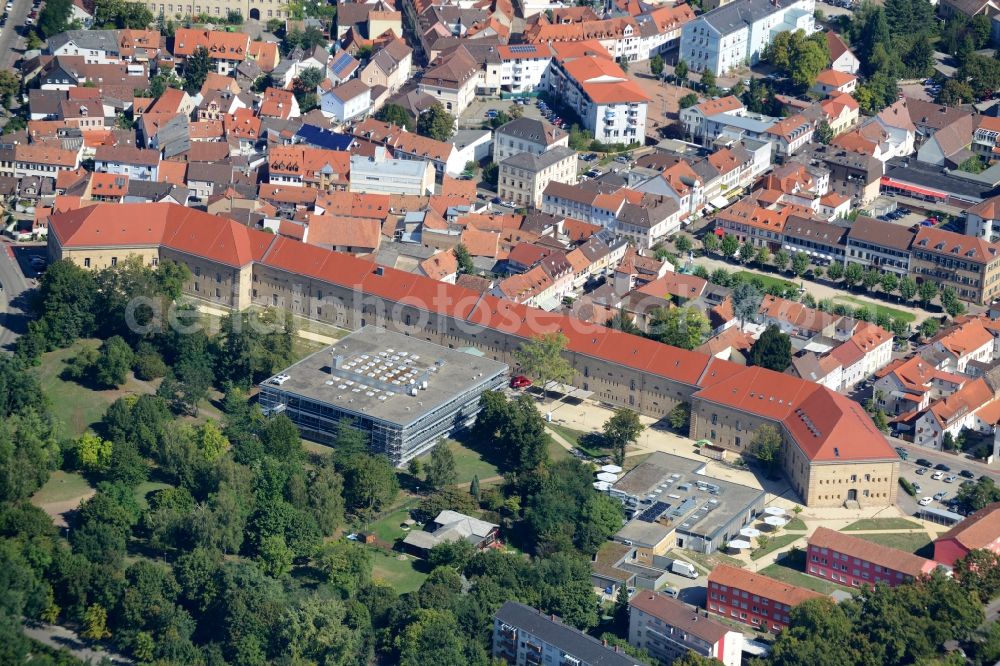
column 43, row 160
column 832, row 81
column 753, row 599
column 278, row 103
column 855, row 562
column 969, row 265
column 842, row 58
column 983, row 219
column 610, row 104
column 108, row 187
column 668, row 629
column 909, row 385
column 826, row 437
column 410, row 145
column 980, row 531
column 966, row 341
column 309, row 167
column 973, row 407
column 226, row 50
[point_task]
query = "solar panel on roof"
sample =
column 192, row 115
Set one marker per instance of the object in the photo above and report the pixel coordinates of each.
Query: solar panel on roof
column 342, row 60
column 522, row 48
column 652, row 513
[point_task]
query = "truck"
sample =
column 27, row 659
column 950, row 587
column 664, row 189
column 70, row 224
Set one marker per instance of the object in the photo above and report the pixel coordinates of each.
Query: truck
column 685, row 569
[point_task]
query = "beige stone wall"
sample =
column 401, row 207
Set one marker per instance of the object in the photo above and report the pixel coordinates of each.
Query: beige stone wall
column 262, row 9
column 96, row 259
column 820, row 484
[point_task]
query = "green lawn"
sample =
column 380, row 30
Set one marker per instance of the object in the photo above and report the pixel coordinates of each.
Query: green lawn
column 61, row 487
column 790, row 570
column 910, row 543
column 768, row 280
column 775, row 543
column 875, row 524
column 705, row 562
column 402, row 575
column 468, row 462
column 388, row 528
column 578, row 439
column 795, row 525
column 143, row 490
column 78, row 407
column 557, row 452
column 908, row 317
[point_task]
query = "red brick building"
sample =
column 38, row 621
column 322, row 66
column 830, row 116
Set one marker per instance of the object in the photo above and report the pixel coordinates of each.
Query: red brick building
column 759, row 601
column 854, row 562
column 981, row 530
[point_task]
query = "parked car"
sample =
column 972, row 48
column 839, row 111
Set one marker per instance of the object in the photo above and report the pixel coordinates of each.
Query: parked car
column 921, row 470
column 951, row 478
column 967, row 474
column 924, row 501
column 923, row 462
column 917, row 488
column 942, row 467
column 903, row 453
column 940, row 495
column 520, row 382
column 937, row 476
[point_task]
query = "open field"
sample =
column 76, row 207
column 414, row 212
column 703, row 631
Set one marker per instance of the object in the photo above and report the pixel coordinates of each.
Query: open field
column 909, row 542
column 388, row 528
column 903, row 315
column 790, row 570
column 768, row 280
column 873, row 524
column 79, row 407
column 580, row 439
column 775, row 543
column 62, row 493
column 402, row 575
column 795, row 525
column 468, row 462
column 144, row 489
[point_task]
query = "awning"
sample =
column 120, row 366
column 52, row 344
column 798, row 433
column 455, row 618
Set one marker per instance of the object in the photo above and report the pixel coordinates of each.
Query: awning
column 889, row 182
column 719, row 232
column 719, row 202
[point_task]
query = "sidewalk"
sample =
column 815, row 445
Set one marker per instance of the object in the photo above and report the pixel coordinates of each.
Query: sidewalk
column 818, row 291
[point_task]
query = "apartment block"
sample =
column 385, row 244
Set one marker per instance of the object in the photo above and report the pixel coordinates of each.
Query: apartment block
column 668, row 629
column 524, row 636
column 524, row 177
column 856, row 562
column 753, row 599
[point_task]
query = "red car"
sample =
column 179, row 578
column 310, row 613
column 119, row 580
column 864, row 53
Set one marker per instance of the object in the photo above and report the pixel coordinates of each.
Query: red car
column 520, row 382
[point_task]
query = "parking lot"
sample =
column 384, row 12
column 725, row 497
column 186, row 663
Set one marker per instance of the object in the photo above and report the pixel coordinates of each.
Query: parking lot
column 927, row 486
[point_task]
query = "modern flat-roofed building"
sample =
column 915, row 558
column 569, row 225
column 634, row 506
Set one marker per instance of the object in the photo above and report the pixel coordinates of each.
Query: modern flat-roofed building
column 855, row 562
column 404, row 393
column 525, row 637
column 676, row 505
column 751, row 598
column 386, row 175
column 668, row 628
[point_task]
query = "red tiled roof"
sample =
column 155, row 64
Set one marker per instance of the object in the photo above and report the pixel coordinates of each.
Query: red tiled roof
column 764, row 586
column 869, row 551
column 978, row 530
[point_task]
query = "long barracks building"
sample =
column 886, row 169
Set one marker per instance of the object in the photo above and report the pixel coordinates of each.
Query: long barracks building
column 832, row 453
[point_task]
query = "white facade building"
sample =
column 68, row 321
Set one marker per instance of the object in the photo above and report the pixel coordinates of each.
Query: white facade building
column 735, row 35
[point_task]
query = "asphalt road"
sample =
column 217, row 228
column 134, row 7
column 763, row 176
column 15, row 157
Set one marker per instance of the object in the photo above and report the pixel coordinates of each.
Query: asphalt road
column 60, row 637
column 9, row 37
column 13, row 306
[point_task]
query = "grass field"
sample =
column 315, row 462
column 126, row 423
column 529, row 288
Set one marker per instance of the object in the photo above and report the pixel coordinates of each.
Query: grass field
column 908, row 317
column 468, row 462
column 388, row 527
column 579, row 439
column 61, row 487
column 557, row 452
column 874, row 524
column 910, row 543
column 795, row 525
column 402, row 575
column 790, row 570
column 143, row 490
column 79, row 407
column 775, row 543
column 768, row 280
column 705, row 562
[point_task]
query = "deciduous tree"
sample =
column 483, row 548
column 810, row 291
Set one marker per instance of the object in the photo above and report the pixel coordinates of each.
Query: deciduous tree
column 622, row 429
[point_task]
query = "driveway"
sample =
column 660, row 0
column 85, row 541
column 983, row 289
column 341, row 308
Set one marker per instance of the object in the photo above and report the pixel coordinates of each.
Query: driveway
column 62, row 638
column 14, row 290
column 9, row 37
